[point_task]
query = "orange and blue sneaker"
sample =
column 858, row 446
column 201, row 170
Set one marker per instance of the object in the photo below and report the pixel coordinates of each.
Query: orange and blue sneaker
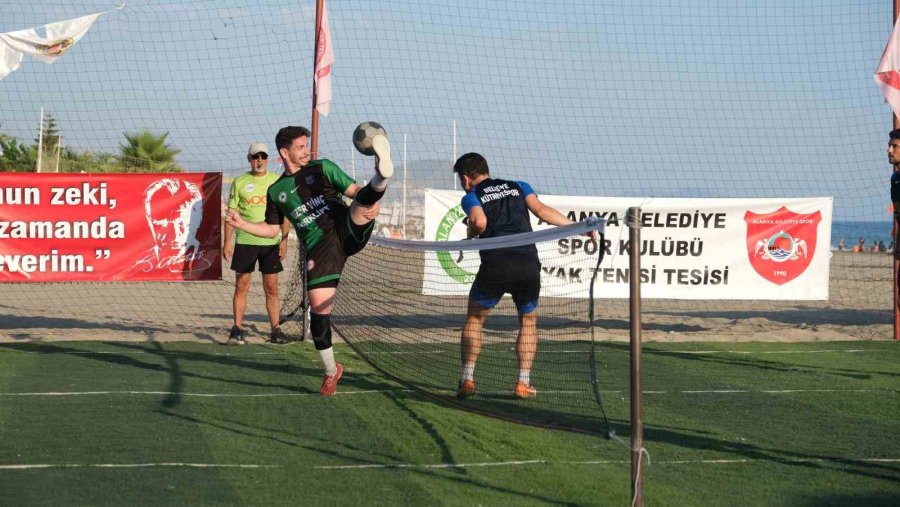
column 524, row 390
column 466, row 389
column 329, row 385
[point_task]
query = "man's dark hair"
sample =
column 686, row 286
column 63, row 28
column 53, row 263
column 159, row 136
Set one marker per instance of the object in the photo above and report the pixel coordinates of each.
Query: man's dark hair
column 895, row 134
column 286, row 136
column 471, row 165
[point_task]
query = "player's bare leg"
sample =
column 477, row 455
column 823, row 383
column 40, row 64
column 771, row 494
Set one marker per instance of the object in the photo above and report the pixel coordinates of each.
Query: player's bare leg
column 239, row 306
column 239, row 303
column 273, row 308
column 526, row 347
column 471, row 347
column 273, row 303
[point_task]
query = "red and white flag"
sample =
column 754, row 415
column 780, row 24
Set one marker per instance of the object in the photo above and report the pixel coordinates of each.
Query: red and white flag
column 887, row 76
column 324, row 59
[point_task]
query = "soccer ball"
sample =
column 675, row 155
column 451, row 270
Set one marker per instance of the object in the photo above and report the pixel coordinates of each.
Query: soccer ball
column 363, row 135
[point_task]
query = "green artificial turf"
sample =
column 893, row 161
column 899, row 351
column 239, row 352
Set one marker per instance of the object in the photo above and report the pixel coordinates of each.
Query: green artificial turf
column 190, row 423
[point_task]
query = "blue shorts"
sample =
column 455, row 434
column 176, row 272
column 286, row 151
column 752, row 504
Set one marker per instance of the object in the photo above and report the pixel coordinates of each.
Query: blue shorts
column 519, row 278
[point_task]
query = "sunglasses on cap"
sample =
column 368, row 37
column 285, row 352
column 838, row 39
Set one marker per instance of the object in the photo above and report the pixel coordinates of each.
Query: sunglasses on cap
column 260, row 155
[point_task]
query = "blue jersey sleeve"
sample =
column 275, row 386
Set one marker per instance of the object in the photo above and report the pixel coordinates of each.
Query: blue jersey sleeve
column 469, row 201
column 526, row 188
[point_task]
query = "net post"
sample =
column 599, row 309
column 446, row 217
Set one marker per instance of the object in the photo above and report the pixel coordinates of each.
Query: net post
column 633, row 222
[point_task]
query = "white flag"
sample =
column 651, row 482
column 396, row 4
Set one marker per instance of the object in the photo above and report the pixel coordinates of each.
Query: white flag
column 887, row 76
column 61, row 36
column 324, row 59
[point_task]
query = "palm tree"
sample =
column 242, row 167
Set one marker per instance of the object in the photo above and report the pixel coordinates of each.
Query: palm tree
column 148, row 153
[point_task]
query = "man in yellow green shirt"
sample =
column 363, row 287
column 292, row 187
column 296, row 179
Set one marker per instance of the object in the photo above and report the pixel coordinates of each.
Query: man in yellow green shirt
column 245, row 251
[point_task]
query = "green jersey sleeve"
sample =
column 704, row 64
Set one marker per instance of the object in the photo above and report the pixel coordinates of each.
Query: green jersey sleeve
column 338, row 178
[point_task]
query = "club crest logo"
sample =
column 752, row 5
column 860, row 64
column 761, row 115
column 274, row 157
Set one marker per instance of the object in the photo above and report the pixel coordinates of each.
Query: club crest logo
column 282, row 197
column 310, row 179
column 451, row 262
column 55, row 48
column 781, row 244
column 249, row 188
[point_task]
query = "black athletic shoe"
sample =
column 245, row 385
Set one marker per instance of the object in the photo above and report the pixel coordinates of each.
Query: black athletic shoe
column 236, row 337
column 279, row 337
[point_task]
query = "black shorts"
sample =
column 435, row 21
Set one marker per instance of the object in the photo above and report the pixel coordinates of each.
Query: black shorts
column 245, row 258
column 326, row 260
column 521, row 278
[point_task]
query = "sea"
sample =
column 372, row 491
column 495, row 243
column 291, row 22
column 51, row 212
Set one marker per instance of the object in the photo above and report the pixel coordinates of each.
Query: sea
column 851, row 232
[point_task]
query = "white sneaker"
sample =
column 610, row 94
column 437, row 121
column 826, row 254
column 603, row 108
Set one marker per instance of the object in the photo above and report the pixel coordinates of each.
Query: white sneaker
column 383, row 163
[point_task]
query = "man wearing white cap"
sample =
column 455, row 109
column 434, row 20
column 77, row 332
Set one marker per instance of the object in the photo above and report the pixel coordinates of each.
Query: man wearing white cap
column 245, row 251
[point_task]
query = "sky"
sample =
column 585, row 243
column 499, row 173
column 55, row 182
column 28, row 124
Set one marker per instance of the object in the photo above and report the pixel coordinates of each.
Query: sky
column 678, row 98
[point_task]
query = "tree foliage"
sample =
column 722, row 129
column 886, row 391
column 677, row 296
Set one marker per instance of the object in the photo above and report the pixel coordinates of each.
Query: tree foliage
column 17, row 157
column 149, row 153
column 142, row 152
column 51, row 138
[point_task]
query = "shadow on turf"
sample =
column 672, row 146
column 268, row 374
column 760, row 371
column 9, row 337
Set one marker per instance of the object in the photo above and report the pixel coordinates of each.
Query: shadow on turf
column 749, row 362
column 18, row 322
column 173, row 367
column 533, row 413
column 690, row 439
column 459, row 475
column 870, row 500
column 56, row 323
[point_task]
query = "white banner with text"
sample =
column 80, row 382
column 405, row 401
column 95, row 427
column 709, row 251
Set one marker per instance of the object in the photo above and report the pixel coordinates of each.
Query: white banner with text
column 741, row 249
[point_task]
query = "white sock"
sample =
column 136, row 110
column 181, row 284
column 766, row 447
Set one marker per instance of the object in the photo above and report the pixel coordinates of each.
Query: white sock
column 327, row 357
column 378, row 183
column 525, row 377
column 468, row 371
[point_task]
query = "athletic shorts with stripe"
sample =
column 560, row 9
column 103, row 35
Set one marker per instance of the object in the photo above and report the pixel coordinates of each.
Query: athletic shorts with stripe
column 326, row 260
column 519, row 277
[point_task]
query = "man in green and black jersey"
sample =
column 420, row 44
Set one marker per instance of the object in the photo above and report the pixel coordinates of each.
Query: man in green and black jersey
column 309, row 195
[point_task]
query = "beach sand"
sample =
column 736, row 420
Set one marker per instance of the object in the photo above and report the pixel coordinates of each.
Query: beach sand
column 859, row 308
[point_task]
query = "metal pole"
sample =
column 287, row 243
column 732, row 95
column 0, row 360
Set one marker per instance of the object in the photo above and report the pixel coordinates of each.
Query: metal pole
column 58, row 150
column 896, row 226
column 314, row 124
column 454, row 153
column 633, row 221
column 404, row 187
column 37, row 169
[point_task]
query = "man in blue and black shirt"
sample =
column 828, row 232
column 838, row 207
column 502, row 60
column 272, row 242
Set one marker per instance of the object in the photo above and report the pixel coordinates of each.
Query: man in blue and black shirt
column 496, row 207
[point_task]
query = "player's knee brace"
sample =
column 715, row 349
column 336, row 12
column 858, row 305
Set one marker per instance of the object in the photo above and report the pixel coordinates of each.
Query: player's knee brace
column 368, row 196
column 320, row 327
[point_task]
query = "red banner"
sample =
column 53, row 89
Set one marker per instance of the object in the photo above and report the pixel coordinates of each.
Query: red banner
column 110, row 227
